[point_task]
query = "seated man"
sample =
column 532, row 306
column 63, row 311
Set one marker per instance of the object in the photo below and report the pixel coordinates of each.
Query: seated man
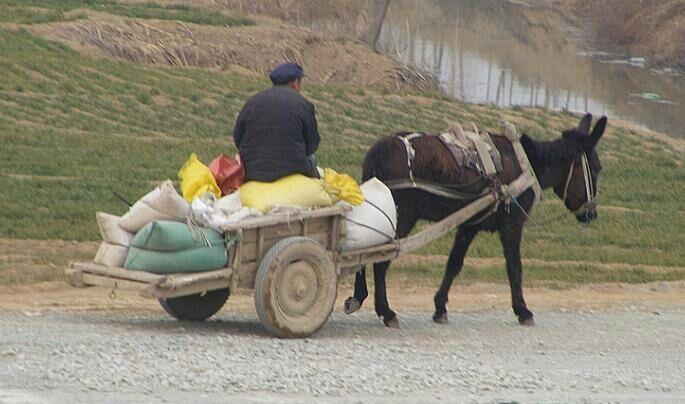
column 276, row 131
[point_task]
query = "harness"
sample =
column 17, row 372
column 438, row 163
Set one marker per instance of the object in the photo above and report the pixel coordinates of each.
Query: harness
column 590, row 198
column 411, row 153
column 503, row 193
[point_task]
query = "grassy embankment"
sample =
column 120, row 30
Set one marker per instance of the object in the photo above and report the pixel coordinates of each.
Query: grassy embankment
column 37, row 11
column 74, row 128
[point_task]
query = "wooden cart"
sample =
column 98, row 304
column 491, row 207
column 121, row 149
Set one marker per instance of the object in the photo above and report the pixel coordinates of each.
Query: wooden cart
column 292, row 261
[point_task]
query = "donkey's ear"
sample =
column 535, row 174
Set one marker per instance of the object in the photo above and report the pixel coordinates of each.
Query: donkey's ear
column 598, row 130
column 585, row 124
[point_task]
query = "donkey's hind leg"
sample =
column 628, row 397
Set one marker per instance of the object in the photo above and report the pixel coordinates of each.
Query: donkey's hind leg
column 406, row 220
column 354, row 303
column 382, row 306
column 405, row 223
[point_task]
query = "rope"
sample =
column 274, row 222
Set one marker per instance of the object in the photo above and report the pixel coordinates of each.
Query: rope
column 396, row 239
column 541, row 225
column 172, row 287
column 196, row 231
column 230, row 241
column 394, row 228
column 389, row 237
column 121, row 198
column 113, row 293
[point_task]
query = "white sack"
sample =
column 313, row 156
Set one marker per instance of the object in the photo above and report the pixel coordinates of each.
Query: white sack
column 229, row 204
column 163, row 203
column 367, row 225
column 166, row 200
column 141, row 214
column 111, row 255
column 201, row 212
column 216, row 218
column 244, row 213
column 110, row 230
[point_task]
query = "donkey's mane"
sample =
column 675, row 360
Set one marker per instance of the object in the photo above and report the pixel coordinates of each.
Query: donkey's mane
column 546, row 151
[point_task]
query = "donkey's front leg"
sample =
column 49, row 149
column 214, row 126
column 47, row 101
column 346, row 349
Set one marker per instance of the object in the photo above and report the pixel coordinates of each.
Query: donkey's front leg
column 510, row 235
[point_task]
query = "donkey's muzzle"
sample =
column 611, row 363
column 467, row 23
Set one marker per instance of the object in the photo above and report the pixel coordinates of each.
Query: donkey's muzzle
column 587, row 216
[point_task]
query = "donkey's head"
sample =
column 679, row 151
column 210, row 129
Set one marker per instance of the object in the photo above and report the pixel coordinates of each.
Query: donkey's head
column 581, row 169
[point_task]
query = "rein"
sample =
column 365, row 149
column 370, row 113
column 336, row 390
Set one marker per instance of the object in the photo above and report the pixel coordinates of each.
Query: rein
column 590, row 198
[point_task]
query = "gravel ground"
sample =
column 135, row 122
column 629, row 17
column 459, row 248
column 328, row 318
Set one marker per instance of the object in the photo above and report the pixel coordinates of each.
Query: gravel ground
column 621, row 355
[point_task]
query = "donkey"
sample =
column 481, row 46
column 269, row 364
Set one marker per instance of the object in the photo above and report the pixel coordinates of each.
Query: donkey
column 569, row 165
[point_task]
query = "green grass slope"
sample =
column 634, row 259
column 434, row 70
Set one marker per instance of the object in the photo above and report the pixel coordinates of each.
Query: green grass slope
column 40, row 11
column 75, row 128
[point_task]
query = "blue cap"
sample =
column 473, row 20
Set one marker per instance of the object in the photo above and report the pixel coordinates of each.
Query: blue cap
column 286, row 73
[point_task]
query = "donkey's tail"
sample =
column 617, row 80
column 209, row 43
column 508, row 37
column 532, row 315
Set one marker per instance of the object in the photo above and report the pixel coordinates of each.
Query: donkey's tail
column 380, row 159
column 373, row 166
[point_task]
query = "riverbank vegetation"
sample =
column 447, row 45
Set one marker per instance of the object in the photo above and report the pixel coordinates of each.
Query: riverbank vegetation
column 654, row 29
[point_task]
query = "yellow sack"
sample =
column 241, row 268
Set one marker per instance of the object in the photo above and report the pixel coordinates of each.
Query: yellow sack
column 293, row 190
column 196, row 179
column 342, row 186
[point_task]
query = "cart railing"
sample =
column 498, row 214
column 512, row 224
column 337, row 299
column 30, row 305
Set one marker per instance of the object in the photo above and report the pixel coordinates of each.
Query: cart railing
column 81, row 274
column 285, row 217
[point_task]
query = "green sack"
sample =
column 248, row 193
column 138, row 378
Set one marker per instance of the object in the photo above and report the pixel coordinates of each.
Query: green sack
column 163, row 262
column 161, row 235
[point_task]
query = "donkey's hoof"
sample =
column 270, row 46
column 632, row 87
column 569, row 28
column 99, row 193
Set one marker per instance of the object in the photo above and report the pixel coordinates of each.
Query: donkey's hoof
column 527, row 321
column 352, row 305
column 440, row 318
column 394, row 323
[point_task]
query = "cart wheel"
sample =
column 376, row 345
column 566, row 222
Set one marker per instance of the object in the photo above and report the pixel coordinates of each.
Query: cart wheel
column 295, row 288
column 197, row 307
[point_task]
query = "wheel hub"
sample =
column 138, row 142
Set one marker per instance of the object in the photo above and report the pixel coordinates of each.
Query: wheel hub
column 298, row 288
column 301, row 290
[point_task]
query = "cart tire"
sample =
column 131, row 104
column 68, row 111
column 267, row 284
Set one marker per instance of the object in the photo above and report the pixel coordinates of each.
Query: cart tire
column 197, row 307
column 295, row 288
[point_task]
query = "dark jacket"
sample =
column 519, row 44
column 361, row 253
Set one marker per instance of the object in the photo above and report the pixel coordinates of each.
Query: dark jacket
column 275, row 133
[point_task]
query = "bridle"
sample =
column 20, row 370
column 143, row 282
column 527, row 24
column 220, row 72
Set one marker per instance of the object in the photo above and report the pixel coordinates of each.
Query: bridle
column 590, row 204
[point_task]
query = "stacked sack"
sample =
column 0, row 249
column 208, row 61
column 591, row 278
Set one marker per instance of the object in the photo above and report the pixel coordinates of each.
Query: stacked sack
column 163, row 203
column 153, row 235
column 373, row 222
column 293, row 190
column 163, row 247
column 301, row 191
column 112, row 252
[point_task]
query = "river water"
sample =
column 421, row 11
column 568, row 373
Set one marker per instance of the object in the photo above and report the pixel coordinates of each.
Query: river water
column 509, row 54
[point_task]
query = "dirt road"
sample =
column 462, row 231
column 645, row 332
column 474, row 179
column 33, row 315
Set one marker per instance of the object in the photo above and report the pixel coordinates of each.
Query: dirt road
column 601, row 343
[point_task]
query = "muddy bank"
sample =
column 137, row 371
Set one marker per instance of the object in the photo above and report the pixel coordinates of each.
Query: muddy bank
column 252, row 49
column 360, row 19
column 654, row 29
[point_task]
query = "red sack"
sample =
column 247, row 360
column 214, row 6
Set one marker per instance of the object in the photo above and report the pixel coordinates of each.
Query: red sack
column 229, row 173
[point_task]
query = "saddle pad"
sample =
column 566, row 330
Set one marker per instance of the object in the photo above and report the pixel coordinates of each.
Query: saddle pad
column 469, row 149
column 464, row 157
